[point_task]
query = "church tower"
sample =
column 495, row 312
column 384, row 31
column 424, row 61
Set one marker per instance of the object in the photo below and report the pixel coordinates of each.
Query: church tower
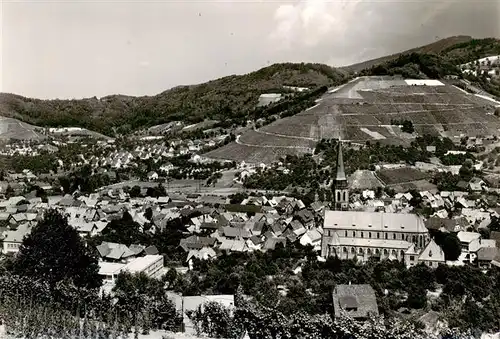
column 341, row 190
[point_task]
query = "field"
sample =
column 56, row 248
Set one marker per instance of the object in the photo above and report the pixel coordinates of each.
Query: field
column 252, row 154
column 364, row 180
column 15, row 129
column 419, row 185
column 364, row 110
column 400, row 175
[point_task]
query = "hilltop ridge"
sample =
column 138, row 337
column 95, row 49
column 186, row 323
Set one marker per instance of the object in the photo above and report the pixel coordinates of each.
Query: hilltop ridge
column 233, row 98
column 228, row 97
column 434, row 47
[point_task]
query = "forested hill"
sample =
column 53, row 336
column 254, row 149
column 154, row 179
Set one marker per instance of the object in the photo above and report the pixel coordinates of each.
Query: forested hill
column 433, row 48
column 451, row 51
column 225, row 98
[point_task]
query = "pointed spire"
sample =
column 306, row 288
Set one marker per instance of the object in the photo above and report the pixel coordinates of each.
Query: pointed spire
column 340, row 164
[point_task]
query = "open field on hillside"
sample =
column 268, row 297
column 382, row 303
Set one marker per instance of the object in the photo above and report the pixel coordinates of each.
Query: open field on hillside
column 400, row 175
column 15, row 129
column 251, row 154
column 257, row 138
column 419, row 185
column 362, row 179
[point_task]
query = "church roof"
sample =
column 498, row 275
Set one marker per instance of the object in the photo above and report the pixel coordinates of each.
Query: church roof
column 340, row 165
column 374, row 221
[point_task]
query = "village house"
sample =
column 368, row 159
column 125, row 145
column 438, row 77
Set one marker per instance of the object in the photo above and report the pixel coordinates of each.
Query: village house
column 356, row 301
column 12, row 239
column 152, row 176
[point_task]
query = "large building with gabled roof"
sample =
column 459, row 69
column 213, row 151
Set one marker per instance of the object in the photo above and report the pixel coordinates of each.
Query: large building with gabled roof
column 361, row 235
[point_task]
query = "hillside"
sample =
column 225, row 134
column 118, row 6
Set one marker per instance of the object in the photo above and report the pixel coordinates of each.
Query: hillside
column 231, row 97
column 446, row 62
column 433, row 48
column 365, row 110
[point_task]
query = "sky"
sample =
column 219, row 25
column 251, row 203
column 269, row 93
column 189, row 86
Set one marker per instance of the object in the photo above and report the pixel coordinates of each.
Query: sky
column 73, row 49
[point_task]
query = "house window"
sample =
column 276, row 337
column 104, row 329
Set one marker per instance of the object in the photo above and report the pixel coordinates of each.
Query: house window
column 346, row 234
column 412, row 258
column 369, row 234
column 354, row 234
column 385, row 236
column 362, row 235
column 394, row 236
column 378, row 235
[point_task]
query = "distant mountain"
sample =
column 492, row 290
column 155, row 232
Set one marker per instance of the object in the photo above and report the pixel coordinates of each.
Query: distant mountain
column 225, row 98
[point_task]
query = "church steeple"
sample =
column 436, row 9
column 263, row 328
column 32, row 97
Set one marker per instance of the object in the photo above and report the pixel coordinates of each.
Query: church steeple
column 340, row 165
column 341, row 192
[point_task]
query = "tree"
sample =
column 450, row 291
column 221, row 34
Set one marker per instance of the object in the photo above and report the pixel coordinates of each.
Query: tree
column 143, row 300
column 450, row 244
column 148, row 214
column 215, row 320
column 9, row 192
column 135, row 191
column 417, row 297
column 54, row 252
column 124, row 231
column 467, row 169
column 407, row 127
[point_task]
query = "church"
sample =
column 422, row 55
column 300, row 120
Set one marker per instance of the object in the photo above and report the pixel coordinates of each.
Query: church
column 362, row 235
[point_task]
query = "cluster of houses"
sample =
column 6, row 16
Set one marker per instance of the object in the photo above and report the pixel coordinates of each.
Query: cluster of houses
column 489, row 66
column 257, row 223
column 119, row 158
column 28, row 148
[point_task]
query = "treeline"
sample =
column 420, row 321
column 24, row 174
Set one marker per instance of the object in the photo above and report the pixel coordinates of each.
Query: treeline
column 218, row 321
column 474, row 49
column 415, row 65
